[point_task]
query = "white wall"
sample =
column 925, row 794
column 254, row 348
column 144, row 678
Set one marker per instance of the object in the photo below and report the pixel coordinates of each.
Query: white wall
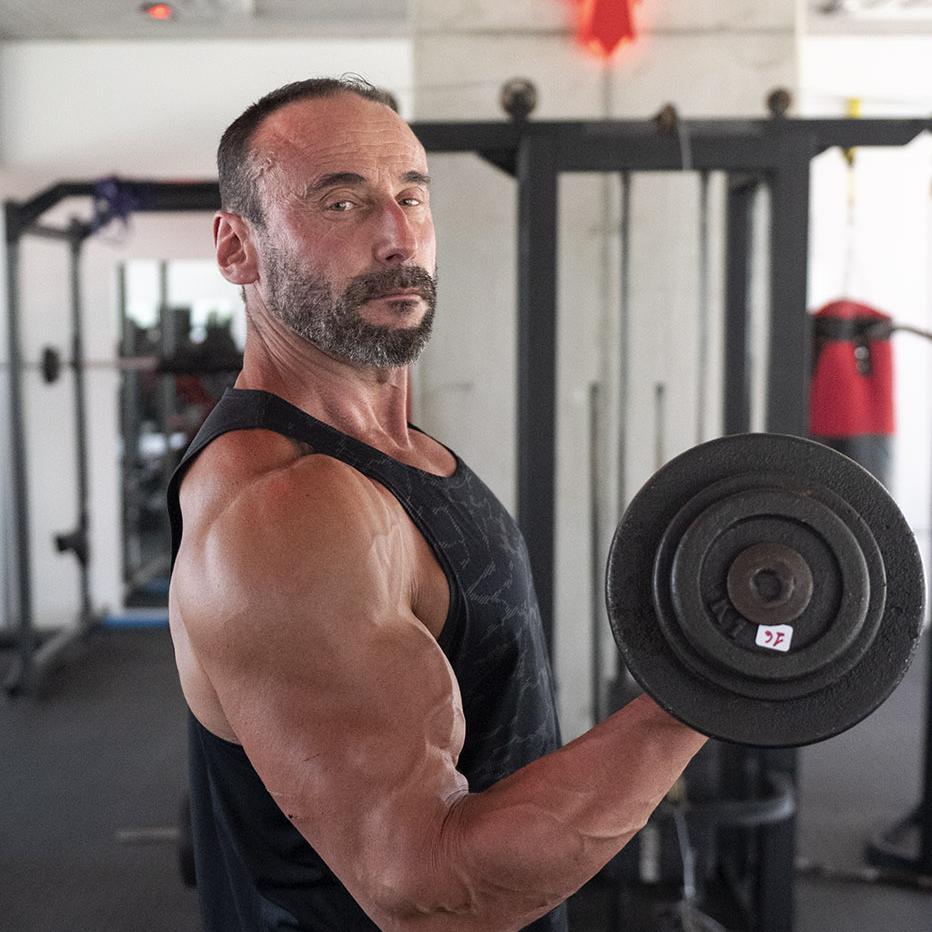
column 883, row 257
column 85, row 110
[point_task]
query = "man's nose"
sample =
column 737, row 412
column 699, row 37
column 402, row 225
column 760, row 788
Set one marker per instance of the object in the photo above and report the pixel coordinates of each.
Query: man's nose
column 396, row 240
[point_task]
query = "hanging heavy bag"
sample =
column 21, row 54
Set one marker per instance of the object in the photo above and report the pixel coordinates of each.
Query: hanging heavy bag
column 851, row 396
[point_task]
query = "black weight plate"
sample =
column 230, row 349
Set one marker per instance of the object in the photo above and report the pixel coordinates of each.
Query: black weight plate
column 849, row 661
column 839, row 621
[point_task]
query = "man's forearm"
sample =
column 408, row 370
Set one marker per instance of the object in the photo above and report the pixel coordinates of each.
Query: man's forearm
column 515, row 851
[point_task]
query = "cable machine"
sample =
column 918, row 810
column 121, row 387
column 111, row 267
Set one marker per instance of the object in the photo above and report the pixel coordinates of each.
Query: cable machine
column 774, row 153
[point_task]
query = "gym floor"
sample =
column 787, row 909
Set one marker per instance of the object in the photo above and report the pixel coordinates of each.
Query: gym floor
column 93, row 773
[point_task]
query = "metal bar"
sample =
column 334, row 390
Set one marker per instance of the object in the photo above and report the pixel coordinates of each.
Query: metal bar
column 787, row 412
column 660, row 424
column 22, row 214
column 43, row 231
column 536, row 402
column 848, row 133
column 738, row 252
column 179, row 365
column 505, row 159
column 924, row 813
column 80, row 420
column 703, row 306
column 51, row 655
column 597, row 573
column 738, row 143
column 790, row 340
column 22, row 674
column 129, row 426
column 468, row 137
column 155, row 196
column 167, row 391
column 500, row 135
column 774, row 894
column 664, row 153
column 147, row 196
column 624, row 342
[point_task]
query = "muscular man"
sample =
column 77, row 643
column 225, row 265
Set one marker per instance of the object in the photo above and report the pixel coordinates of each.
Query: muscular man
column 373, row 738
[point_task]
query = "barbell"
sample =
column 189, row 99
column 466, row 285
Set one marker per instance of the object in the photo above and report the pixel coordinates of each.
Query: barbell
column 765, row 590
column 50, row 364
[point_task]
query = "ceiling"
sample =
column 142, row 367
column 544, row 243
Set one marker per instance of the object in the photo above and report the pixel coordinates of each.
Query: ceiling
column 897, row 9
column 222, row 19
column 869, row 16
column 225, row 19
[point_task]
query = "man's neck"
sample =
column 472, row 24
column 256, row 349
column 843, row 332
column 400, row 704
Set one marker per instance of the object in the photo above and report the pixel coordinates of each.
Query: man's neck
column 368, row 403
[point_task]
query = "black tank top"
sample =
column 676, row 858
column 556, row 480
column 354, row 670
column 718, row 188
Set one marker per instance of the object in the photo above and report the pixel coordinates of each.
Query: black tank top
column 255, row 871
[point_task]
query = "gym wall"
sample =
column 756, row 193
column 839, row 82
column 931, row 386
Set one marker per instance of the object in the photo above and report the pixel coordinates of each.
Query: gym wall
column 890, row 241
column 85, row 110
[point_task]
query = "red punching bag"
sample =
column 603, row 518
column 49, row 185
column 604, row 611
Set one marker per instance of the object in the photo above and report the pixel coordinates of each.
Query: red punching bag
column 851, row 397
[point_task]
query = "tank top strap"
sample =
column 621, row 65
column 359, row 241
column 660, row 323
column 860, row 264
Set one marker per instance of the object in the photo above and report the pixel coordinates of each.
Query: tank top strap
column 245, row 409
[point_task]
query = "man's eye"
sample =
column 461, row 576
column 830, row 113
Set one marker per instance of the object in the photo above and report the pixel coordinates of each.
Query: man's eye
column 341, row 206
column 411, row 201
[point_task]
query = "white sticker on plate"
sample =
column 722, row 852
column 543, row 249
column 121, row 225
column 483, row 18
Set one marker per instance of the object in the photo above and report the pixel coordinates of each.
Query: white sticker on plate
column 774, row 637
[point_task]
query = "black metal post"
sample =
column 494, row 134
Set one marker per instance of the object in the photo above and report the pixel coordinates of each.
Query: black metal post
column 736, row 392
column 21, row 673
column 168, row 346
column 624, row 342
column 790, row 343
column 50, row 654
column 537, row 362
column 129, row 402
column 703, row 306
column 80, row 420
column 925, row 807
column 597, row 576
column 787, row 413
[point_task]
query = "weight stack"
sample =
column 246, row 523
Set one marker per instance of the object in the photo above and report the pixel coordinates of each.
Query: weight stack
column 851, row 396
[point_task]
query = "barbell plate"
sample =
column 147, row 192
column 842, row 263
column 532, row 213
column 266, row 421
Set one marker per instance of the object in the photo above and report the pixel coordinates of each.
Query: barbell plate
column 811, row 547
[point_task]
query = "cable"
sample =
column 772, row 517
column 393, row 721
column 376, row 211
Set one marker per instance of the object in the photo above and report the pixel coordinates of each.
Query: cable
column 690, row 917
column 686, row 149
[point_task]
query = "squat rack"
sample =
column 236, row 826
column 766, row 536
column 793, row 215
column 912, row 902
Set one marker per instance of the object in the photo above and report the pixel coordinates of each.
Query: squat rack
column 774, row 153
column 111, row 199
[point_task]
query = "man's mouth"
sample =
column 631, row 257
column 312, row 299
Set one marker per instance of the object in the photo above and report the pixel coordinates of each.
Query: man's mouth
column 398, row 295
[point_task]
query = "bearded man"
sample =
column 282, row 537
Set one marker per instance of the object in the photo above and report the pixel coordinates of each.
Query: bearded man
column 373, row 741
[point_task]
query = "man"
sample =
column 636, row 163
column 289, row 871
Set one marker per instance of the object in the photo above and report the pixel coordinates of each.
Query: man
column 373, row 738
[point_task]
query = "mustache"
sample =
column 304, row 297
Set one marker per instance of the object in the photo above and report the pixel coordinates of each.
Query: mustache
column 375, row 284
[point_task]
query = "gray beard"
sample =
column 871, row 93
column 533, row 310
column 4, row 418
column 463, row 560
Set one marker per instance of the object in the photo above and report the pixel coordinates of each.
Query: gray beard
column 333, row 323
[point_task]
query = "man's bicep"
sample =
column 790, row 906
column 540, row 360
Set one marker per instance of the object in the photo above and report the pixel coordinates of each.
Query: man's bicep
column 349, row 712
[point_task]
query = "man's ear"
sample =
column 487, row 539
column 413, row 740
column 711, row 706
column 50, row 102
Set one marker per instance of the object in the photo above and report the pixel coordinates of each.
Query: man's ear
column 234, row 244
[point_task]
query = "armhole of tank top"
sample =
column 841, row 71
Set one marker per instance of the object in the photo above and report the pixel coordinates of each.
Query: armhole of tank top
column 453, row 622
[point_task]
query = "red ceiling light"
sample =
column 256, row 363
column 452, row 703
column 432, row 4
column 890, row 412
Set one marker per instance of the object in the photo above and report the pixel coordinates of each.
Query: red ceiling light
column 160, row 11
column 606, row 25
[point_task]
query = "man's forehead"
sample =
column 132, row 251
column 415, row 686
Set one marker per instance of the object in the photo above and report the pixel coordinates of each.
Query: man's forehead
column 322, row 132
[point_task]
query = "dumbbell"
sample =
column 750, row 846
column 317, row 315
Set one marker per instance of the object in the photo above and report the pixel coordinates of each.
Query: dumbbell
column 765, row 590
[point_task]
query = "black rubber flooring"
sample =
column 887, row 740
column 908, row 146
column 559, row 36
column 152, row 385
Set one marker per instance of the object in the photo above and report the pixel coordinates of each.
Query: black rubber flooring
column 102, row 753
column 92, row 774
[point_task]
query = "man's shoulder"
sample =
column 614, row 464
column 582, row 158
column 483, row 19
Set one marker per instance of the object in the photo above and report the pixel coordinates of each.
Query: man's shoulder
column 285, row 522
column 259, row 470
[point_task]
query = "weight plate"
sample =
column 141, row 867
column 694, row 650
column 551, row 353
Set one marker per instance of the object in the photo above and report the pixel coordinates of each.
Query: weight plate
column 814, row 551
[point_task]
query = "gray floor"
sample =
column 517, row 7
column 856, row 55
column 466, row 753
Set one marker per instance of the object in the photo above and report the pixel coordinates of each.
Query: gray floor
column 103, row 753
column 853, row 787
